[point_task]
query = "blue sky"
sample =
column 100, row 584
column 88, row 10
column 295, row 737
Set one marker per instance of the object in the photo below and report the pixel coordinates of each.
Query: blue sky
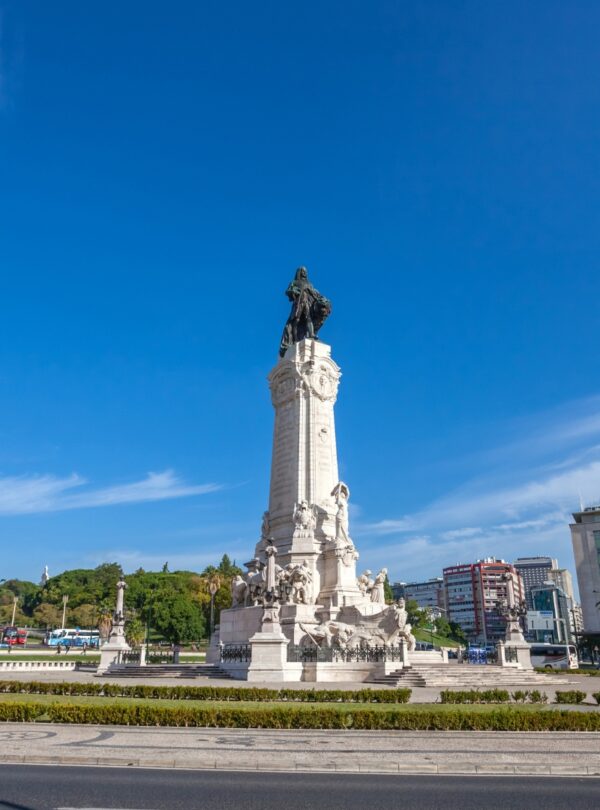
column 164, row 168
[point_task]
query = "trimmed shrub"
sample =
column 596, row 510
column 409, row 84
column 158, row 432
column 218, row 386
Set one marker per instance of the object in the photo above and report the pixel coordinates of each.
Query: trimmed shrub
column 206, row 692
column 475, row 696
column 570, row 696
column 535, row 696
column 307, row 717
column 596, row 696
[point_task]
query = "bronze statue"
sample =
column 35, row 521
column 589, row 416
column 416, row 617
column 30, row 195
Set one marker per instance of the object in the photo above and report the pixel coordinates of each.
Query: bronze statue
column 309, row 311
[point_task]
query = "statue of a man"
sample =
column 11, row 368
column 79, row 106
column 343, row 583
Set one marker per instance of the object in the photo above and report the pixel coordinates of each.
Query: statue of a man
column 309, row 311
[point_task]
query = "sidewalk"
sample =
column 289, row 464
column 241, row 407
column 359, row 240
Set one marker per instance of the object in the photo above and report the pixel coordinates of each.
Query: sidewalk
column 524, row 753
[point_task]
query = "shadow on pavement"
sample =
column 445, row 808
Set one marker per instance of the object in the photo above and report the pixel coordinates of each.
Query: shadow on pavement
column 12, row 806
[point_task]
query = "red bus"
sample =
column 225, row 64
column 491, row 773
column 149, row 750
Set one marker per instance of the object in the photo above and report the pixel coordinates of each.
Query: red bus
column 13, row 636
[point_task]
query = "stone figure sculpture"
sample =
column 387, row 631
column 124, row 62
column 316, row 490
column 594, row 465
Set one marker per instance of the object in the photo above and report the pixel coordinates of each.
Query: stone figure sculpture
column 304, row 517
column 271, row 578
column 341, row 493
column 301, row 578
column 255, row 580
column 365, row 583
column 239, row 591
column 401, row 627
column 377, row 591
column 309, row 311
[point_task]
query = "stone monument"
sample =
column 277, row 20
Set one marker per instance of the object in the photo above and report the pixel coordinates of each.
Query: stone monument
column 301, row 589
column 111, row 653
column 514, row 650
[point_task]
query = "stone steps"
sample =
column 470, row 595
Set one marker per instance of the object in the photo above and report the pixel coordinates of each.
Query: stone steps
column 464, row 677
column 169, row 671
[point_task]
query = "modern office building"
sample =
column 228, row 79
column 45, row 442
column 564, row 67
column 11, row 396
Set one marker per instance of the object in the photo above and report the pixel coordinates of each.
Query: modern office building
column 429, row 594
column 474, row 592
column 552, row 601
column 585, row 536
column 535, row 571
column 563, row 579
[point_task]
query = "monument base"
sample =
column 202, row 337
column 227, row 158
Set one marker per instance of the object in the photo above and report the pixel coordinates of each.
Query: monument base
column 111, row 656
column 515, row 654
column 269, row 658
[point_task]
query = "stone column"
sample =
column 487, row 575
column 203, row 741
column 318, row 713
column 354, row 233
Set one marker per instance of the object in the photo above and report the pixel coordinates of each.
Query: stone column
column 111, row 653
column 269, row 650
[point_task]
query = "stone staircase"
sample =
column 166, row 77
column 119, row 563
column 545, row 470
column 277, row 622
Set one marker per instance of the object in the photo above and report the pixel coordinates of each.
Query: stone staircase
column 465, row 676
column 168, row 671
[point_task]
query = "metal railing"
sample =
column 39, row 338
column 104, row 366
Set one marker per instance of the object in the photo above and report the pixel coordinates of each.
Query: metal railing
column 236, row 653
column 363, row 654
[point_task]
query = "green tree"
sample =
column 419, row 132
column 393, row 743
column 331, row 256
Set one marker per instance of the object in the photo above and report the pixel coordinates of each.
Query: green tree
column 135, row 632
column 28, row 593
column 417, row 616
column 178, row 619
column 388, row 594
column 83, row 616
column 48, row 616
column 457, row 633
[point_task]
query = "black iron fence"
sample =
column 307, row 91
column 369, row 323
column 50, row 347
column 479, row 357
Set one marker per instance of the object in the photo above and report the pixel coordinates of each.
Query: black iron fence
column 236, row 653
column 363, row 654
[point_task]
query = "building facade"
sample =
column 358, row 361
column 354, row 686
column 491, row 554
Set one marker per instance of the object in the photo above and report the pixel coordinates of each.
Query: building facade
column 552, row 601
column 429, row 594
column 474, row 595
column 534, row 571
column 585, row 536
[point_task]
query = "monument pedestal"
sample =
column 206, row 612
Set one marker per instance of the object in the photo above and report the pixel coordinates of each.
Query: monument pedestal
column 111, row 653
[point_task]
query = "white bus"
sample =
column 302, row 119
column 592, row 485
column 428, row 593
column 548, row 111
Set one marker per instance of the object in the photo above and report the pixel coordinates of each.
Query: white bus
column 554, row 656
column 70, row 637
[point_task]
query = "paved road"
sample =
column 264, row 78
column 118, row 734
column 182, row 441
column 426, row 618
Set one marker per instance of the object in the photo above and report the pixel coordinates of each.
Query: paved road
column 251, row 750
column 45, row 788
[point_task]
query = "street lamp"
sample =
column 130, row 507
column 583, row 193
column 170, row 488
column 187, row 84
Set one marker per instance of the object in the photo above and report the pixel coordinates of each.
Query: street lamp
column 14, row 613
column 65, row 599
column 213, row 587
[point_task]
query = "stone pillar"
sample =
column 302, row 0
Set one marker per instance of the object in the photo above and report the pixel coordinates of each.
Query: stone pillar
column 111, row 653
column 269, row 649
column 304, row 496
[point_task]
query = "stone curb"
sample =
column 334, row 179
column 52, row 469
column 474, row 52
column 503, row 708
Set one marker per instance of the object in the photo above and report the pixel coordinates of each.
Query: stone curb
column 446, row 769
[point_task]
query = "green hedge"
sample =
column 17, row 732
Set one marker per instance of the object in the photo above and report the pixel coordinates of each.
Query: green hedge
column 307, row 717
column 493, row 696
column 570, row 696
column 475, row 696
column 591, row 672
column 207, row 692
column 596, row 696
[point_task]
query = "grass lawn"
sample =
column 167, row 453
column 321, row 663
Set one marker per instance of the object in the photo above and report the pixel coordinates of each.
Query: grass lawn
column 253, row 705
column 436, row 640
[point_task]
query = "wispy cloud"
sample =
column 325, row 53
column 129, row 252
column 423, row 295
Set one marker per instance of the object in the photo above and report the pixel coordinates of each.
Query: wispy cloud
column 48, row 493
column 519, row 503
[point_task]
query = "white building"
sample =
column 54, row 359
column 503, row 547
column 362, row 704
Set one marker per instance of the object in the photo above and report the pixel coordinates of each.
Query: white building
column 585, row 536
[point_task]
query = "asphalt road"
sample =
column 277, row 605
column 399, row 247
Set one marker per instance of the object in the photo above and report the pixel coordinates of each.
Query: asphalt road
column 38, row 787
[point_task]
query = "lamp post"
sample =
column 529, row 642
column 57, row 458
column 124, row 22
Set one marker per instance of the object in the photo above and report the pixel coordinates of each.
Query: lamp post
column 149, row 616
column 65, row 599
column 213, row 587
column 14, row 613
